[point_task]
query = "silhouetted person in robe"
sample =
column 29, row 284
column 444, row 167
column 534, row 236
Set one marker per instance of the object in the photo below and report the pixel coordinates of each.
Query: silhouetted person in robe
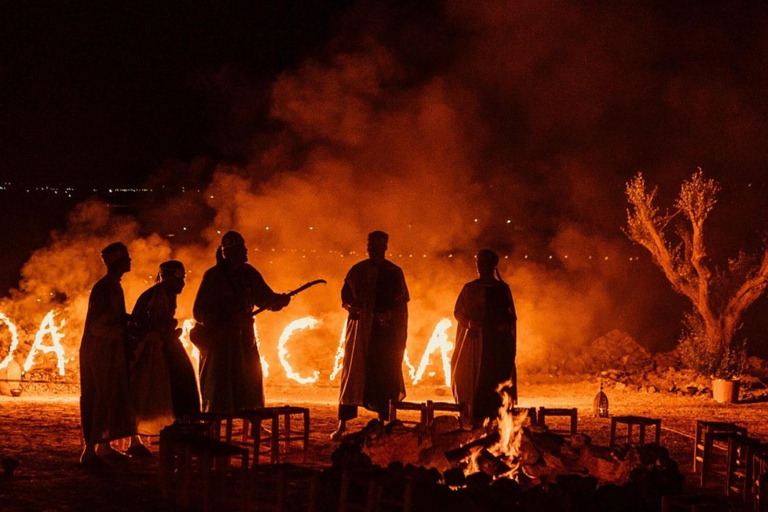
column 486, row 340
column 230, row 366
column 104, row 401
column 376, row 297
column 162, row 380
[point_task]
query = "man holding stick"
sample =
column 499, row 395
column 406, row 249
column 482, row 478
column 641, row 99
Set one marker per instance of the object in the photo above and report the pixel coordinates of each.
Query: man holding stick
column 230, row 367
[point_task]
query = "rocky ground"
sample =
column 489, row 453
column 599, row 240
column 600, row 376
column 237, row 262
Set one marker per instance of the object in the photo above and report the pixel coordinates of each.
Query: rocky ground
column 41, row 432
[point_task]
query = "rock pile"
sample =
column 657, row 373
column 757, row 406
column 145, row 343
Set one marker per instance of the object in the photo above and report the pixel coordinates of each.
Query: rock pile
column 622, row 363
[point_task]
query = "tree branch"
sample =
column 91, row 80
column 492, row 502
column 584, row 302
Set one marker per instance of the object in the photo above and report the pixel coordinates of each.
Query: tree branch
column 751, row 290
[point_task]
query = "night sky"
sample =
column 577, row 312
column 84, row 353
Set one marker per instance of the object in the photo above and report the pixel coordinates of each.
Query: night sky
column 555, row 105
column 105, row 92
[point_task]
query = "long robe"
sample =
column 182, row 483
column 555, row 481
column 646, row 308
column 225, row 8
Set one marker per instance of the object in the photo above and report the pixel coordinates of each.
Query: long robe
column 484, row 356
column 372, row 373
column 162, row 381
column 105, row 412
column 230, row 369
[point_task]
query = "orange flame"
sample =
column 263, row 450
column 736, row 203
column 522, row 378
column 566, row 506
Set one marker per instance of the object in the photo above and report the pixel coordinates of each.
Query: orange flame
column 14, row 340
column 411, row 368
column 338, row 361
column 264, row 363
column 510, row 427
column 308, row 322
column 438, row 341
column 192, row 352
column 48, row 326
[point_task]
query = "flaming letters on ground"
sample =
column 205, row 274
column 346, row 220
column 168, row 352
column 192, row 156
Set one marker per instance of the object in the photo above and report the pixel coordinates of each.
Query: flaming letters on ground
column 49, row 327
column 14, row 340
column 338, row 361
column 264, row 363
column 192, row 351
column 407, row 363
column 438, row 341
column 308, row 322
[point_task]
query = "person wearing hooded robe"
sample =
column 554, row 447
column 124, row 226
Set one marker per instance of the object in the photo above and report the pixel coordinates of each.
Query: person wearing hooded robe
column 484, row 356
column 105, row 412
column 376, row 297
column 230, row 366
column 163, row 384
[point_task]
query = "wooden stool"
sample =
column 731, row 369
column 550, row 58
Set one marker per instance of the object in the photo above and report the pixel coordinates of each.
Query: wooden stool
column 201, row 461
column 394, row 406
column 710, row 464
column 171, row 453
column 760, row 480
column 252, row 433
column 695, row 503
column 358, row 491
column 461, row 409
column 630, row 422
column 571, row 413
column 287, row 435
column 218, row 420
column 282, row 487
column 394, row 492
column 711, row 427
column 738, row 476
column 375, row 490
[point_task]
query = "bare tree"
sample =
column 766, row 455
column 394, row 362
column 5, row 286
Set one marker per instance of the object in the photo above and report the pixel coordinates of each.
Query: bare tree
column 719, row 296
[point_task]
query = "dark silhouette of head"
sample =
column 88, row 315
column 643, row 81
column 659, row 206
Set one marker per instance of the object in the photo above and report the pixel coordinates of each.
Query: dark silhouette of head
column 116, row 259
column 377, row 245
column 487, row 260
column 172, row 275
column 233, row 249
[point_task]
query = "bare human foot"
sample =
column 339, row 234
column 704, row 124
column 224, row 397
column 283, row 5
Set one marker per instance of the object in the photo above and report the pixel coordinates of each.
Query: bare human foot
column 339, row 432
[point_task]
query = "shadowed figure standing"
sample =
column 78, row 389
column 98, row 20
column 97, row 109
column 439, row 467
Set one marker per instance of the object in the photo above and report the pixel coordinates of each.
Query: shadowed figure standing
column 230, row 366
column 105, row 412
column 486, row 340
column 163, row 384
column 376, row 297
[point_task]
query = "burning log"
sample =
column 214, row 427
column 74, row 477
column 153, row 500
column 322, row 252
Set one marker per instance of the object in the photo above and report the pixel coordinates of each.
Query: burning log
column 491, row 464
column 457, row 455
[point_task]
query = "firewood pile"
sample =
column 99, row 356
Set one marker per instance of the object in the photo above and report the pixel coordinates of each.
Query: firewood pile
column 555, row 472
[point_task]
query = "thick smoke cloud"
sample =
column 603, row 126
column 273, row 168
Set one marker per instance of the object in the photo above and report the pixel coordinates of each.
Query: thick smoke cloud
column 512, row 126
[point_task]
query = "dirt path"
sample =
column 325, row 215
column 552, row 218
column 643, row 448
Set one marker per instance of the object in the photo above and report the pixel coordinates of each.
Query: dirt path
column 43, row 434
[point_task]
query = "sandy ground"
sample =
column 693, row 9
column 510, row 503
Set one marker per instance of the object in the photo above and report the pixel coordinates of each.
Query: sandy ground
column 43, row 434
